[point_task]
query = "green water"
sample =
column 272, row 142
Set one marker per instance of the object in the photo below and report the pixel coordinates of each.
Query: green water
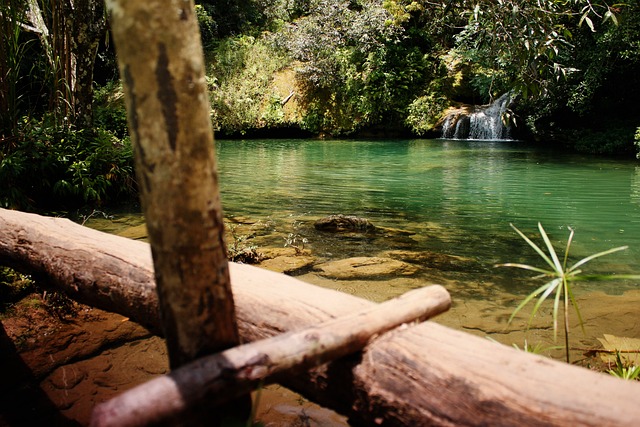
column 454, row 197
column 457, row 197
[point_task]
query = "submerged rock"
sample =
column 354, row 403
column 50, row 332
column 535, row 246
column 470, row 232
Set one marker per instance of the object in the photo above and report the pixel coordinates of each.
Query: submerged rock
column 359, row 268
column 287, row 260
column 341, row 223
column 435, row 260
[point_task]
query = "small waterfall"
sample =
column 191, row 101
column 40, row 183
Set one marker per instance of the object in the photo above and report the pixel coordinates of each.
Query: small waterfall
column 479, row 122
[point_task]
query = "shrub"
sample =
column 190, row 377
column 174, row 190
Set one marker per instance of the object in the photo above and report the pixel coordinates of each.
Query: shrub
column 240, row 81
column 13, row 286
column 424, row 113
column 613, row 140
column 354, row 70
column 52, row 167
column 109, row 110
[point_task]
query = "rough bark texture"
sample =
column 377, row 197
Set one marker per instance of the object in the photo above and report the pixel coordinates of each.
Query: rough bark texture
column 88, row 27
column 421, row 375
column 235, row 372
column 161, row 62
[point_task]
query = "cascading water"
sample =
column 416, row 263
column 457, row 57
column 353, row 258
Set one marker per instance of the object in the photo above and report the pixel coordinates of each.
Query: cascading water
column 479, row 122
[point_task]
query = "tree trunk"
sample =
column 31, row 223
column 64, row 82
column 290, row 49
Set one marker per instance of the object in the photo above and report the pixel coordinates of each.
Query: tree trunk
column 421, row 375
column 87, row 30
column 161, row 61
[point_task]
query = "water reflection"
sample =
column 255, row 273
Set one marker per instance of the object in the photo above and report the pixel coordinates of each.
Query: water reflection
column 471, row 190
column 457, row 197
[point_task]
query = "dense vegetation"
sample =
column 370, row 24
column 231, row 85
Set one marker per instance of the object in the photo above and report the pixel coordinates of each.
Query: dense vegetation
column 318, row 67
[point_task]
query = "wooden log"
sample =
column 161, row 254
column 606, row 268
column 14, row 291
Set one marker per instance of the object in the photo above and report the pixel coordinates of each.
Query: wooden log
column 235, row 372
column 169, row 121
column 423, row 375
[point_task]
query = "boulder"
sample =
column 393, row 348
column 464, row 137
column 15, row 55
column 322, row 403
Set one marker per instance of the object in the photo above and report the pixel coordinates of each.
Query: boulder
column 434, row 260
column 360, row 268
column 341, row 223
column 286, row 260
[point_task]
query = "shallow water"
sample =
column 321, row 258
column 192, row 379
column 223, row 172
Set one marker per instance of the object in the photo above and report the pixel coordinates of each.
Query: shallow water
column 456, row 197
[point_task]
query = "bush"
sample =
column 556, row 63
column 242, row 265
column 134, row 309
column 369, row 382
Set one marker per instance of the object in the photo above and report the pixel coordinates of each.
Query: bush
column 615, row 140
column 354, row 70
column 637, row 143
column 424, row 113
column 208, row 25
column 240, row 84
column 52, row 167
column 13, row 286
column 109, row 110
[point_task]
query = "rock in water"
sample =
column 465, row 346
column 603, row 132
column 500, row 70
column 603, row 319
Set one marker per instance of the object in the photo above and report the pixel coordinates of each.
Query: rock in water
column 365, row 268
column 339, row 223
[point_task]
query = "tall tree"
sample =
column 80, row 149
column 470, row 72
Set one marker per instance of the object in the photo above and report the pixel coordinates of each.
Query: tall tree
column 70, row 33
column 87, row 21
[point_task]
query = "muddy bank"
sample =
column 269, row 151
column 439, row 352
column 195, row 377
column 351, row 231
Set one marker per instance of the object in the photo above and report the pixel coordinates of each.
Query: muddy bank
column 56, row 371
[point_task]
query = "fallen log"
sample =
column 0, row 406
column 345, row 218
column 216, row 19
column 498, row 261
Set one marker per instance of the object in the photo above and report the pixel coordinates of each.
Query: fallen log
column 421, row 375
column 232, row 373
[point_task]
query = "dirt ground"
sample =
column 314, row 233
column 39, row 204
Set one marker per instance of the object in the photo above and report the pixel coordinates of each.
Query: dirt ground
column 55, row 371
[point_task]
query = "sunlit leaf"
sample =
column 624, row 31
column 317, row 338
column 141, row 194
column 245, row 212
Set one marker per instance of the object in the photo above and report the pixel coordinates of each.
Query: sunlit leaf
column 562, row 277
column 610, row 15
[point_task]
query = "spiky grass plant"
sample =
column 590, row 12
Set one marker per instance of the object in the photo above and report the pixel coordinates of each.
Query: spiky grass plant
column 560, row 278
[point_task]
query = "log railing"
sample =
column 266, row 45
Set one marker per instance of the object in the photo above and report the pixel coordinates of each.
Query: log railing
column 425, row 374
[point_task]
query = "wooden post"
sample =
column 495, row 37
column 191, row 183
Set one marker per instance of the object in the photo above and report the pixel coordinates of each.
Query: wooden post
column 162, row 68
column 239, row 370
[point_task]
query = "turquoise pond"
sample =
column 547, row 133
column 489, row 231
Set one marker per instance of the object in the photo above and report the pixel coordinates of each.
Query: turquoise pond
column 460, row 196
column 452, row 197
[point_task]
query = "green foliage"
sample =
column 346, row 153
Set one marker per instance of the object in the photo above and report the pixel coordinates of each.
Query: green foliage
column 13, row 286
column 637, row 142
column 534, row 349
column 424, row 112
column 13, row 46
column 623, row 371
column 354, row 70
column 528, row 45
column 109, row 112
column 240, row 83
column 560, row 278
column 207, row 25
column 56, row 167
column 614, row 140
column 376, row 63
column 227, row 18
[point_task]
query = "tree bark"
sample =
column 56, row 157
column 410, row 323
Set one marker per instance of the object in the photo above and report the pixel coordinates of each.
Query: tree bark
column 161, row 62
column 162, row 65
column 421, row 375
column 88, row 27
column 238, row 371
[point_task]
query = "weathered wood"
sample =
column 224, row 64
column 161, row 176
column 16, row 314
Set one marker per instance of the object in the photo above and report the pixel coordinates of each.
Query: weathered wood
column 235, row 372
column 168, row 116
column 422, row 375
